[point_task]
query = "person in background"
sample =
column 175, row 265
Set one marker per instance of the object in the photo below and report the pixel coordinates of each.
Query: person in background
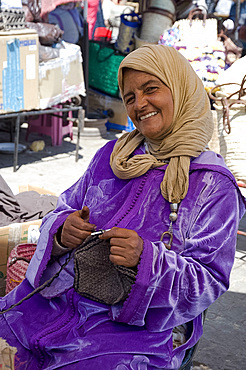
column 222, row 7
column 100, row 19
column 92, row 16
column 241, row 30
column 184, row 7
column 170, row 211
column 69, row 19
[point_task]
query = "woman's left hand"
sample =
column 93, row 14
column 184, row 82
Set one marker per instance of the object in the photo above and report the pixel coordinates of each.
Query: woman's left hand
column 126, row 246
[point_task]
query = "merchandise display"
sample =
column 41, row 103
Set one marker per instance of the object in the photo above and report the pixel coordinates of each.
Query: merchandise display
column 104, row 61
column 208, row 61
column 198, row 41
column 230, row 106
column 12, row 235
column 129, row 25
column 12, row 18
column 19, row 61
column 61, row 78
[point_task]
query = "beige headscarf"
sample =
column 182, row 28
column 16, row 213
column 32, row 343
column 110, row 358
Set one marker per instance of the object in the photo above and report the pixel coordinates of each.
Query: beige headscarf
column 189, row 132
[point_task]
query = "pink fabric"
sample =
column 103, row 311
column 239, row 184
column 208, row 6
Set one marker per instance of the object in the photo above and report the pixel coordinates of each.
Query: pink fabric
column 92, row 16
column 49, row 5
column 16, row 269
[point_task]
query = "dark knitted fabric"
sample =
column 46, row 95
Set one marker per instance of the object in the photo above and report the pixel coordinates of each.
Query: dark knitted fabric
column 96, row 277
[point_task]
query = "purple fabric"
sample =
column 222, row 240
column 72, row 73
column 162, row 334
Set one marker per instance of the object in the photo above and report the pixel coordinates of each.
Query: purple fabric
column 59, row 328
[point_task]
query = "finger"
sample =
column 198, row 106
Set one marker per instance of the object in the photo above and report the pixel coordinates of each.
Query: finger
column 85, row 213
column 76, row 228
column 118, row 260
column 79, row 232
column 131, row 255
column 115, row 232
column 73, row 241
column 70, row 242
column 119, row 242
column 118, row 251
column 74, row 220
column 106, row 234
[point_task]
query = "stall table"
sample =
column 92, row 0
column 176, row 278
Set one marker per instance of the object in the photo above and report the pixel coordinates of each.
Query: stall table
column 52, row 110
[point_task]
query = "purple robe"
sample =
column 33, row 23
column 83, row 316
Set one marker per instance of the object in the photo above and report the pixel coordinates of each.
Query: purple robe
column 60, row 329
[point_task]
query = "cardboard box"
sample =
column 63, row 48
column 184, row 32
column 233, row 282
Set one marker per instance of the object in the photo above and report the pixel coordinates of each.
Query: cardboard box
column 10, row 236
column 113, row 107
column 19, row 61
column 7, row 355
column 61, row 78
column 39, row 190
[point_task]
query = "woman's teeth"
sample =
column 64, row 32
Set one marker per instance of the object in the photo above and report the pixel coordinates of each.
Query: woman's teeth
column 147, row 115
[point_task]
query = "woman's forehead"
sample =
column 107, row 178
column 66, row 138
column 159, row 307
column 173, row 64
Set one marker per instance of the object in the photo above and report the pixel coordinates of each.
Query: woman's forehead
column 132, row 74
column 140, row 73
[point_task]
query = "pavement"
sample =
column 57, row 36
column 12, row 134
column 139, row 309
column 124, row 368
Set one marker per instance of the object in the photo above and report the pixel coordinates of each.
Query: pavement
column 223, row 344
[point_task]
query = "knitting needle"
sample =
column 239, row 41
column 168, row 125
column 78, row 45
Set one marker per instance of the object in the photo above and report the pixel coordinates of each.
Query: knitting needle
column 99, row 232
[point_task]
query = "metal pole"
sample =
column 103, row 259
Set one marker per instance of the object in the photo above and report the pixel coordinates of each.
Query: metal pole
column 85, row 52
column 17, row 134
column 238, row 5
column 81, row 122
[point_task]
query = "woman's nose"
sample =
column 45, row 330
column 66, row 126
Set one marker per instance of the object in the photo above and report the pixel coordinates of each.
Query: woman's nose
column 140, row 101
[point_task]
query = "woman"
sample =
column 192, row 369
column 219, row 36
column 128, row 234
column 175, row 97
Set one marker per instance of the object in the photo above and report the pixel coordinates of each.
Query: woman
column 157, row 182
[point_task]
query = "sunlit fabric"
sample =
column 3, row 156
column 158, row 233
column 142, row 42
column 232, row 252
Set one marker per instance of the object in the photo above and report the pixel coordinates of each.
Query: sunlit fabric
column 61, row 329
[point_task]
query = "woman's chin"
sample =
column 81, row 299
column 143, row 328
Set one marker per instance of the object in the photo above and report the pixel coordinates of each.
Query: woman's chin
column 152, row 135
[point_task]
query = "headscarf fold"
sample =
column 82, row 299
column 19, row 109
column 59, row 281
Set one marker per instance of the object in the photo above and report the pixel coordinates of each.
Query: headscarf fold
column 189, row 132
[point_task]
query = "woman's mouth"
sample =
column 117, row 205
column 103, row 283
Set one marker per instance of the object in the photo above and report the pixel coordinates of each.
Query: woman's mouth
column 147, row 116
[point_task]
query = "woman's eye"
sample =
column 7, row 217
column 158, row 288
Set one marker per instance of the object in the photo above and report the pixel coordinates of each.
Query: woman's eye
column 151, row 89
column 130, row 100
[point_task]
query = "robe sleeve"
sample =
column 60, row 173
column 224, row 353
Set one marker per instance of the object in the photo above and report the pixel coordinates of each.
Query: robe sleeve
column 69, row 201
column 173, row 288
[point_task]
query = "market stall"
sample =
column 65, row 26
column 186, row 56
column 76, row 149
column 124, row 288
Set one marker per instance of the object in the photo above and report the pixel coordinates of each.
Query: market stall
column 205, row 39
column 152, row 21
column 201, row 37
column 21, row 114
column 33, row 84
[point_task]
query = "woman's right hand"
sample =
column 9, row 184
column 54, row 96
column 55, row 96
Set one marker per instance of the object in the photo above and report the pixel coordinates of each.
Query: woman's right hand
column 76, row 228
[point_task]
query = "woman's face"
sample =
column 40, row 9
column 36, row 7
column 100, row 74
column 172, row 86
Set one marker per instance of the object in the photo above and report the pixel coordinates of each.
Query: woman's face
column 149, row 103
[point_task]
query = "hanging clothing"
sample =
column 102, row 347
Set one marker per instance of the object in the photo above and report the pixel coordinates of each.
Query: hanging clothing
column 49, row 5
column 70, row 21
column 93, row 6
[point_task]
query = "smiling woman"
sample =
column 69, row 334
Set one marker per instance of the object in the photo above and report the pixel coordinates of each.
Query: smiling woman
column 167, row 210
column 182, row 127
column 148, row 102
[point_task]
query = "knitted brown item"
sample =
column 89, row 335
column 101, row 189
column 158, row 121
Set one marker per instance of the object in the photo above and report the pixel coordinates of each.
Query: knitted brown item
column 96, row 277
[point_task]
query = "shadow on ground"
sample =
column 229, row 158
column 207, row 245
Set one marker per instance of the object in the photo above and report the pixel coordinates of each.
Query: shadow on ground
column 241, row 239
column 28, row 156
column 222, row 346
